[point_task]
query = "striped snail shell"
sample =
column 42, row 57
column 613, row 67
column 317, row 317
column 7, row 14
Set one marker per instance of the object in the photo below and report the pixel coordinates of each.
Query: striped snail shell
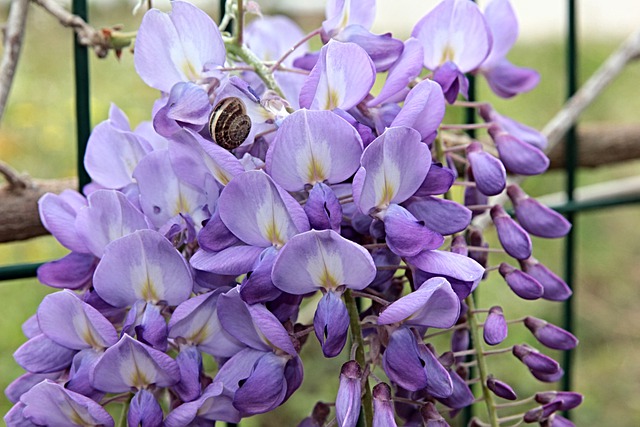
column 229, row 124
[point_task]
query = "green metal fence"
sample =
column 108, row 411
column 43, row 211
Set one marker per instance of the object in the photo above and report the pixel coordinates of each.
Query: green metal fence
column 571, row 208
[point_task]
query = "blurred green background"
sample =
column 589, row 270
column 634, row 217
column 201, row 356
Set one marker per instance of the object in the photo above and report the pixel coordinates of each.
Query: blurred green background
column 37, row 137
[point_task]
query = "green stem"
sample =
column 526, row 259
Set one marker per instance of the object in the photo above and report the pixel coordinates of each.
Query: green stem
column 122, row 422
column 482, row 363
column 254, row 62
column 356, row 339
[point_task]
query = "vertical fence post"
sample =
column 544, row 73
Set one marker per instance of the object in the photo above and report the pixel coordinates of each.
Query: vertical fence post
column 571, row 147
column 83, row 111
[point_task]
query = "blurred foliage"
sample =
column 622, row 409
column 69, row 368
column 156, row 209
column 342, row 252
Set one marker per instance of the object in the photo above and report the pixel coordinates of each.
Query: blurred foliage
column 37, row 136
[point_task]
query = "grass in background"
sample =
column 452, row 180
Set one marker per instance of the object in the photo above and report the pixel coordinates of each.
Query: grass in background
column 38, row 137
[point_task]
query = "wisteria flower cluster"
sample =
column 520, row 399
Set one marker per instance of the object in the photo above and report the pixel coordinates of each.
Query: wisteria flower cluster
column 271, row 178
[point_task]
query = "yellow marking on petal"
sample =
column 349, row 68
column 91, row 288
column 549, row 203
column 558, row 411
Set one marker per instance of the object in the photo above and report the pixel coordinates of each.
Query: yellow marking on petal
column 333, row 100
column 148, row 291
column 315, row 172
column 328, row 280
column 190, row 71
column 182, row 204
column 274, row 234
column 447, row 54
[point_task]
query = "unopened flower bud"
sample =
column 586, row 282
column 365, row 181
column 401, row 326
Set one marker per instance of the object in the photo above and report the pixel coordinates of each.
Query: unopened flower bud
column 431, row 417
column 556, row 420
column 550, row 335
column 514, row 239
column 569, row 399
column 518, row 156
column 501, row 389
column 541, row 413
column 536, row 218
column 495, row 327
column 534, row 360
column 383, row 413
column 476, row 239
column 548, row 378
column 488, row 172
column 348, row 399
column 555, row 289
column 521, row 283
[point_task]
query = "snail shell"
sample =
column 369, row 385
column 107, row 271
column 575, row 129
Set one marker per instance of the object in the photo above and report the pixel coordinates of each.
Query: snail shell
column 229, row 124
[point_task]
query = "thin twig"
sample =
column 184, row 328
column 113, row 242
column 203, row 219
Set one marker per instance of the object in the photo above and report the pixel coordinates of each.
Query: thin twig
column 14, row 33
column 87, row 35
column 13, row 178
column 293, row 48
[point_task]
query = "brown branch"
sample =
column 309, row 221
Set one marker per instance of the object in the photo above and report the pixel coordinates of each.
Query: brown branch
column 19, row 207
column 13, row 36
column 100, row 40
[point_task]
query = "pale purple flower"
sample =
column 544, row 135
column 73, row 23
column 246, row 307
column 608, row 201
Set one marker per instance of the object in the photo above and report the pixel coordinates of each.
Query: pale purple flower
column 348, row 398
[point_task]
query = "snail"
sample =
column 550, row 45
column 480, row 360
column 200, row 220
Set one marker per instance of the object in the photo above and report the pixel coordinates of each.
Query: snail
column 229, row 124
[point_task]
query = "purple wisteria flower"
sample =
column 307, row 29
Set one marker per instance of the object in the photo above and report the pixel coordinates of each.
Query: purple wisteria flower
column 268, row 173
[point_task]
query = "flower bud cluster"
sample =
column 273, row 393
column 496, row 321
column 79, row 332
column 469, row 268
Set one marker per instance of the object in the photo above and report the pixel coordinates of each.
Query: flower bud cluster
column 259, row 184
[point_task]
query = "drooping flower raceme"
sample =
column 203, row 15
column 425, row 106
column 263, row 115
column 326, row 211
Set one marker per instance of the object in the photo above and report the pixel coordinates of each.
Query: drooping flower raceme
column 269, row 173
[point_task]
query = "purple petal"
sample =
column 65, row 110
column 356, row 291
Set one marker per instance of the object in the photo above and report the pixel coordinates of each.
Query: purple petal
column 323, row 208
column 49, row 403
column 265, row 388
column 271, row 329
column 396, row 164
column 439, row 382
column 340, row 13
column 80, row 374
column 550, row 335
column 25, row 382
column 441, row 215
column 313, row 147
column 162, row 194
column 569, row 399
column 131, row 364
column 401, row 361
column 341, row 78
column 196, row 321
column 536, row 218
column 534, row 360
column 192, row 155
column 237, row 321
column 495, row 327
column 58, row 215
column 438, row 181
column 215, row 236
column 189, row 361
column 518, row 156
column 507, row 80
column 331, row 323
column 488, row 172
column 72, row 323
column 433, row 304
column 512, row 237
column 73, row 271
column 112, row 155
column 452, row 80
column 406, row 236
column 520, row 131
column 272, row 36
column 423, row 110
column 15, row 417
column 461, row 396
column 383, row 49
column 501, row 389
column 521, row 283
column 187, row 106
column 175, row 47
column 322, row 259
column 454, row 30
column 503, row 23
column 212, row 405
column 448, row 264
column 257, row 287
column 348, row 398
column 144, row 409
column 401, row 73
column 142, row 266
column 233, row 261
column 42, row 355
column 109, row 216
column 253, row 209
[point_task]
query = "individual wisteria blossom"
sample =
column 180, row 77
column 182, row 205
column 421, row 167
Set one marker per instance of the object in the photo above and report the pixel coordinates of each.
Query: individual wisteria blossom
column 276, row 194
